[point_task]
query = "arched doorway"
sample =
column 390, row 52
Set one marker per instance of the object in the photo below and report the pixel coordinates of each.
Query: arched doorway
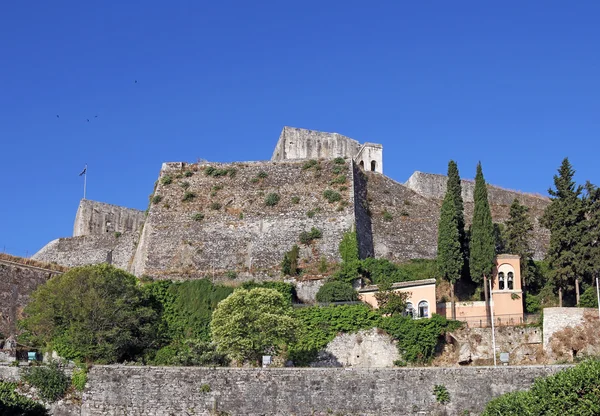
column 362, row 164
column 373, row 165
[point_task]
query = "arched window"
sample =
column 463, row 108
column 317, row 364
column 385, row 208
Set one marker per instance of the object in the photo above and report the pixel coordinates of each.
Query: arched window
column 373, row 165
column 410, row 310
column 362, row 164
column 510, row 281
column 501, row 280
column 423, row 309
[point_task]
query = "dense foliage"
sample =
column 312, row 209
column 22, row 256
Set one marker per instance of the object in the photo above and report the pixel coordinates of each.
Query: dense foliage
column 418, row 338
column 252, row 323
column 190, row 352
column 565, row 218
column 50, row 381
column 286, row 289
column 589, row 298
column 574, row 391
column 13, row 404
column 336, row 291
column 517, row 237
column 289, row 265
column 482, row 248
column 320, row 324
column 95, row 313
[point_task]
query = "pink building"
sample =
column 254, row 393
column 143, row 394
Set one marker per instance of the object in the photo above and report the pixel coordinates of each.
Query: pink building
column 506, row 302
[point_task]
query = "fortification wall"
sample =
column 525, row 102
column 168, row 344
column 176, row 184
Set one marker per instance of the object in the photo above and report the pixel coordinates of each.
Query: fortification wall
column 557, row 319
column 118, row 390
column 91, row 249
column 98, row 218
column 238, row 230
column 295, row 143
column 17, row 282
column 411, row 231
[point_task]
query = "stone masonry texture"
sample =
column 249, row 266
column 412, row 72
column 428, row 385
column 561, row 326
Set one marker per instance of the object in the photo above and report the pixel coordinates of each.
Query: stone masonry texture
column 17, row 281
column 162, row 391
column 557, row 319
column 98, row 218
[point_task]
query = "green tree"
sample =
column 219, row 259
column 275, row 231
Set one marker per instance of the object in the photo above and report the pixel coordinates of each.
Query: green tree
column 482, row 244
column 565, row 218
column 251, row 323
column 591, row 237
column 517, row 235
column 94, row 313
column 336, row 291
column 389, row 301
column 450, row 254
column 348, row 248
column 289, row 265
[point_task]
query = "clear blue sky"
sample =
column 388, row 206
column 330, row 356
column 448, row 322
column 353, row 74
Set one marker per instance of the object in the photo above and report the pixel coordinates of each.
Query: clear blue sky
column 513, row 84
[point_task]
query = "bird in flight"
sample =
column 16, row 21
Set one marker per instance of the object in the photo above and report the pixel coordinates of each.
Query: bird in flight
column 88, row 120
column 136, row 81
column 96, row 116
column 57, row 116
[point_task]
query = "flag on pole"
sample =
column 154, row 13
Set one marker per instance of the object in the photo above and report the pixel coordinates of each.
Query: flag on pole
column 83, row 171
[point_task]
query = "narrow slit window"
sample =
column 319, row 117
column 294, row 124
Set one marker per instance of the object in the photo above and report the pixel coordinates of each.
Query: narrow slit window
column 501, row 281
column 510, row 281
column 373, row 165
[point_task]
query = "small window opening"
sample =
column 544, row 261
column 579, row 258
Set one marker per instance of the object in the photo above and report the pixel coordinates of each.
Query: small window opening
column 501, row 280
column 373, row 165
column 510, row 281
column 423, row 309
column 362, row 164
column 410, row 310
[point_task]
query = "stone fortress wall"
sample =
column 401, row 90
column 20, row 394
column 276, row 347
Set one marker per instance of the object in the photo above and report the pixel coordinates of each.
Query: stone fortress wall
column 393, row 220
column 98, row 218
column 17, row 280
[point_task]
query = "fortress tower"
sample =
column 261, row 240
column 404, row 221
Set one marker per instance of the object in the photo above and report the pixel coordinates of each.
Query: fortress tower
column 295, row 143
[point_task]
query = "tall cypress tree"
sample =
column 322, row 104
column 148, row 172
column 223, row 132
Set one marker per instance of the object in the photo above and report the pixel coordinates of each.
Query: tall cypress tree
column 450, row 256
column 482, row 244
column 518, row 229
column 591, row 237
column 565, row 218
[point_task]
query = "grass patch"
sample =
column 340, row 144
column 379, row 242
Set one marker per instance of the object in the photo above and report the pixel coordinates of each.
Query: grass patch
column 188, row 196
column 156, row 199
column 215, row 206
column 295, row 200
column 387, row 217
column 166, row 180
column 332, row 196
column 309, row 164
column 272, row 200
column 307, row 237
column 198, row 216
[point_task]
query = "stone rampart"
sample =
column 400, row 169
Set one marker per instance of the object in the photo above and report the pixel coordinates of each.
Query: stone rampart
column 225, row 223
column 295, row 143
column 17, row 282
column 110, row 248
column 99, row 218
column 120, row 390
column 557, row 319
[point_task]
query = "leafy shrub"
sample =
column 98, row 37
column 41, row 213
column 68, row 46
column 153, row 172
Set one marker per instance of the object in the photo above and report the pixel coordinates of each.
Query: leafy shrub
column 336, row 292
column 337, row 169
column 309, row 164
column 217, row 188
column 589, row 298
column 13, row 404
column 231, row 274
column 573, row 391
column 188, row 196
column 205, row 388
column 289, row 265
column 417, row 339
column 262, row 174
column 338, row 180
column 156, row 199
column 198, row 216
column 118, row 234
column 387, row 217
column 254, row 180
column 215, row 206
column 295, row 200
column 50, row 381
column 320, row 324
column 339, row 161
column 332, row 196
column 311, row 213
column 441, row 393
column 96, row 313
column 184, row 184
column 166, row 180
column 190, row 352
column 307, row 237
column 272, row 199
column 79, row 378
column 343, row 188
column 288, row 290
column 215, row 172
column 188, row 173
column 323, row 265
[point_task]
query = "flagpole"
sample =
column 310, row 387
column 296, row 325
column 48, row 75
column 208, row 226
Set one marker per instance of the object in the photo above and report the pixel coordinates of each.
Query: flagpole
column 84, row 180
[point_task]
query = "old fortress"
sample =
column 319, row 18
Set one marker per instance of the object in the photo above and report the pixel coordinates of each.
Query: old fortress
column 215, row 219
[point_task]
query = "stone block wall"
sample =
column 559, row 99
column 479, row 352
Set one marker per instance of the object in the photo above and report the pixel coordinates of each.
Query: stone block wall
column 17, row 282
column 557, row 319
column 120, row 390
column 91, row 249
column 99, row 218
column 228, row 226
column 295, row 143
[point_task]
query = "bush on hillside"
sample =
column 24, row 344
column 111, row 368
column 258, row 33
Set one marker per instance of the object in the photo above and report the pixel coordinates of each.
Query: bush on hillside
column 13, row 404
column 589, row 298
column 50, row 381
column 336, row 292
column 574, row 391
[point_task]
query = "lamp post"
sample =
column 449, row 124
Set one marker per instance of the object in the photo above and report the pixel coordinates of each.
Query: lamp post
column 493, row 332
